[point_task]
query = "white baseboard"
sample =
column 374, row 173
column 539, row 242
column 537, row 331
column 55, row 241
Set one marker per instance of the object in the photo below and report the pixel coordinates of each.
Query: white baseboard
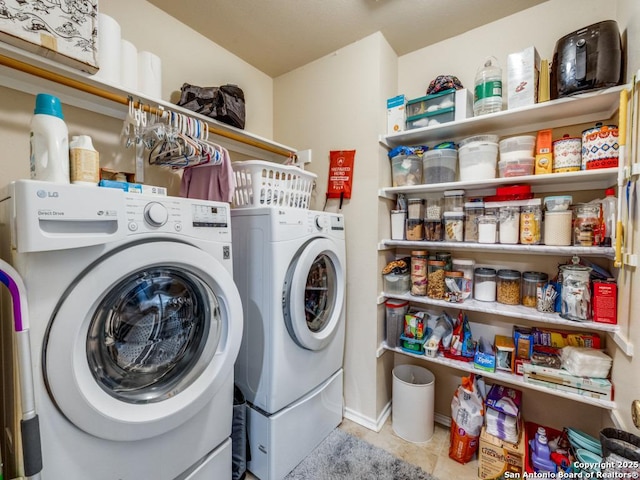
column 377, row 423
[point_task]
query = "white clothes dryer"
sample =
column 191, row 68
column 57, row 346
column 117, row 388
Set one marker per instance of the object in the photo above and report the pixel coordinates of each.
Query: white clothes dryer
column 135, row 327
column 289, row 266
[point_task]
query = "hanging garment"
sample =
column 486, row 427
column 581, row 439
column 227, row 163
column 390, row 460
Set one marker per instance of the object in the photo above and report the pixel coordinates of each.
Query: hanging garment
column 211, row 181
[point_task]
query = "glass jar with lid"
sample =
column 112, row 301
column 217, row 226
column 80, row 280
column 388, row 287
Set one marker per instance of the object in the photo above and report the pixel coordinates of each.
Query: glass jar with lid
column 576, row 291
column 446, row 258
column 531, row 281
column 455, row 290
column 454, row 201
column 586, row 224
column 508, row 287
column 530, row 224
column 435, row 279
column 472, row 212
column 484, row 284
column 418, row 272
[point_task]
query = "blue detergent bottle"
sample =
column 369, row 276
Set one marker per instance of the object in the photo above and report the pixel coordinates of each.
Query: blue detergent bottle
column 540, row 452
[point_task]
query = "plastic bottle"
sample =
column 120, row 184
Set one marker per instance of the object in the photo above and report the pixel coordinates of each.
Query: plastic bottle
column 83, row 161
column 49, row 158
column 487, row 96
column 609, row 217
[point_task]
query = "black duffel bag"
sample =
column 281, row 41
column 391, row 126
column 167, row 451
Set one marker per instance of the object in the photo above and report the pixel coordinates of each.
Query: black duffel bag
column 224, row 103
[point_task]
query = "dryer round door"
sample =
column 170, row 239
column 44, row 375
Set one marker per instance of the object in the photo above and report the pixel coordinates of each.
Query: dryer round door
column 314, row 294
column 139, row 343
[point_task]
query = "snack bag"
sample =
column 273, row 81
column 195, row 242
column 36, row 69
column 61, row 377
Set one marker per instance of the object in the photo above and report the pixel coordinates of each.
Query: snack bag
column 467, row 417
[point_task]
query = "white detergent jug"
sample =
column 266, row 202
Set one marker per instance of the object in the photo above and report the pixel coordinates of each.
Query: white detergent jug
column 49, row 159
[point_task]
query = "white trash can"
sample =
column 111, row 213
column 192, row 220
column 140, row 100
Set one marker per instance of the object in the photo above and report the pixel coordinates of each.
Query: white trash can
column 412, row 403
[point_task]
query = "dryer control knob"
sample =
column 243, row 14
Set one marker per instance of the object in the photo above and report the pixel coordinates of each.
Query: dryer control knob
column 322, row 222
column 156, row 214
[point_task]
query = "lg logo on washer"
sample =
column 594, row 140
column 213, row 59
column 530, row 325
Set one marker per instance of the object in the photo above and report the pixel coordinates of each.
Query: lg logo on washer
column 45, row 194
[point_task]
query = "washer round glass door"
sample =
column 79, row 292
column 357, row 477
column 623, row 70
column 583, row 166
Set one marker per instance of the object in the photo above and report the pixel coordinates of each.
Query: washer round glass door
column 132, row 354
column 314, row 294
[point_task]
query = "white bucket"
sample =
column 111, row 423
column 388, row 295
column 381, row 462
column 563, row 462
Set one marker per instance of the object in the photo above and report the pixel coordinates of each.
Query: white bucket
column 413, row 403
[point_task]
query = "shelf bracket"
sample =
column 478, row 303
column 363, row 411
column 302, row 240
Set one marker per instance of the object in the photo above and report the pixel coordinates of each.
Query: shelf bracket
column 625, row 345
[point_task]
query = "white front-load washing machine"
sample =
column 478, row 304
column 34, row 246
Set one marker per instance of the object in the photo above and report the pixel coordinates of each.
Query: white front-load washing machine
column 135, row 325
column 289, row 266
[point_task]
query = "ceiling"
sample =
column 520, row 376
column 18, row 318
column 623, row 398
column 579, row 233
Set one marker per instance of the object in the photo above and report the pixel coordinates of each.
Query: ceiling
column 277, row 36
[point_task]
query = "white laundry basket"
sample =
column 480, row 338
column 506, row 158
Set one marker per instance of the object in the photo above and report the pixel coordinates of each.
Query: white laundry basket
column 413, row 402
column 266, row 184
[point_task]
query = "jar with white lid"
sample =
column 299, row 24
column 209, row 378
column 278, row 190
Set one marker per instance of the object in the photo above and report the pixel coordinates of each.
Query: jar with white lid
column 509, row 224
column 453, row 226
column 472, row 211
column 454, row 201
column 484, row 284
column 487, row 228
column 508, row 287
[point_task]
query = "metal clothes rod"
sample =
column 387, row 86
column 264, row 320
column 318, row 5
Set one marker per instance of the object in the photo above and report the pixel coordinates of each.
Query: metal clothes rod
column 99, row 92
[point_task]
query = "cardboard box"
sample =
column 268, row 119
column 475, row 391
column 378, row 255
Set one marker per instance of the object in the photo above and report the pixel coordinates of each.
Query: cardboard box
column 497, row 457
column 505, row 353
column 65, row 32
column 605, row 301
column 523, row 70
column 544, row 154
column 484, row 358
column 396, row 114
column 464, row 104
column 523, row 339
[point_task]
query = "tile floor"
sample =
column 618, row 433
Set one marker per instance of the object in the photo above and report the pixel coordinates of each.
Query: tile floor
column 431, row 456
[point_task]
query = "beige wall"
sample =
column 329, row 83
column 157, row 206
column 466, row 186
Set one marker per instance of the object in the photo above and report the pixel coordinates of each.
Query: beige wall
column 333, row 104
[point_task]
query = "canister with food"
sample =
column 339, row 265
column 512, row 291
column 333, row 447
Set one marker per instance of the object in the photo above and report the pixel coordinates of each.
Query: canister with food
column 472, row 211
column 508, row 287
column 432, row 230
column 531, row 282
column 586, row 224
column 576, row 291
column 484, row 284
column 509, row 224
column 415, row 208
column 435, row 280
column 418, row 272
column 487, row 227
column 453, row 200
column 434, row 209
column 415, row 229
column 453, row 226
column 530, row 224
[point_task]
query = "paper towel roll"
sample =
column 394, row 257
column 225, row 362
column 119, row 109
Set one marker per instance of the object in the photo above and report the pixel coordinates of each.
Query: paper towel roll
column 108, row 49
column 128, row 65
column 149, row 75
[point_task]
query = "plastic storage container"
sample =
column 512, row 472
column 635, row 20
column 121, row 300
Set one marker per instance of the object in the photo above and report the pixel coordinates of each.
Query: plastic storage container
column 508, row 287
column 395, row 311
column 415, row 208
column 530, row 283
column 454, row 201
column 487, row 228
column 478, row 161
column 398, row 218
column 406, row 169
column 530, row 225
column 397, row 283
column 517, row 167
column 431, row 118
column 435, row 279
column 431, row 103
column 472, row 212
column 484, row 284
column 453, row 226
column 439, row 165
column 509, row 224
column 576, row 292
column 434, row 209
column 433, row 230
column 517, row 148
column 415, row 229
column 49, row 141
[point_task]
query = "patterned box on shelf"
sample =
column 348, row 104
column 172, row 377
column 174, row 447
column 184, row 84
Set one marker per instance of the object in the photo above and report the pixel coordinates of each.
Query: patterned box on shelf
column 267, row 184
column 62, row 31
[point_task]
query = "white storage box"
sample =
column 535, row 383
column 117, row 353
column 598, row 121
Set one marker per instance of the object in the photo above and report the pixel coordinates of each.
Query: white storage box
column 478, row 161
column 65, row 32
column 262, row 184
column 523, row 70
column 396, row 114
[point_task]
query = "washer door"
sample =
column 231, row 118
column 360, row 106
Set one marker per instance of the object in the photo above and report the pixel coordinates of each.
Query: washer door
column 314, row 294
column 139, row 344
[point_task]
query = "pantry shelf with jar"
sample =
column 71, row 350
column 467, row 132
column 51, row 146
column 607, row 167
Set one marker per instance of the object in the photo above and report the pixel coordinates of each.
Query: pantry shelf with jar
column 497, row 196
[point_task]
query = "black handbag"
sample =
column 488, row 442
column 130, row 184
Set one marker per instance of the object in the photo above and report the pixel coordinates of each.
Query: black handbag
column 224, row 103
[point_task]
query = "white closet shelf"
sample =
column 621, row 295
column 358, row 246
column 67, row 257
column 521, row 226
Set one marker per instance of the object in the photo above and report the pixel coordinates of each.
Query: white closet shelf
column 513, row 311
column 588, row 107
column 570, row 251
column 21, row 70
column 506, row 377
column 598, row 179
